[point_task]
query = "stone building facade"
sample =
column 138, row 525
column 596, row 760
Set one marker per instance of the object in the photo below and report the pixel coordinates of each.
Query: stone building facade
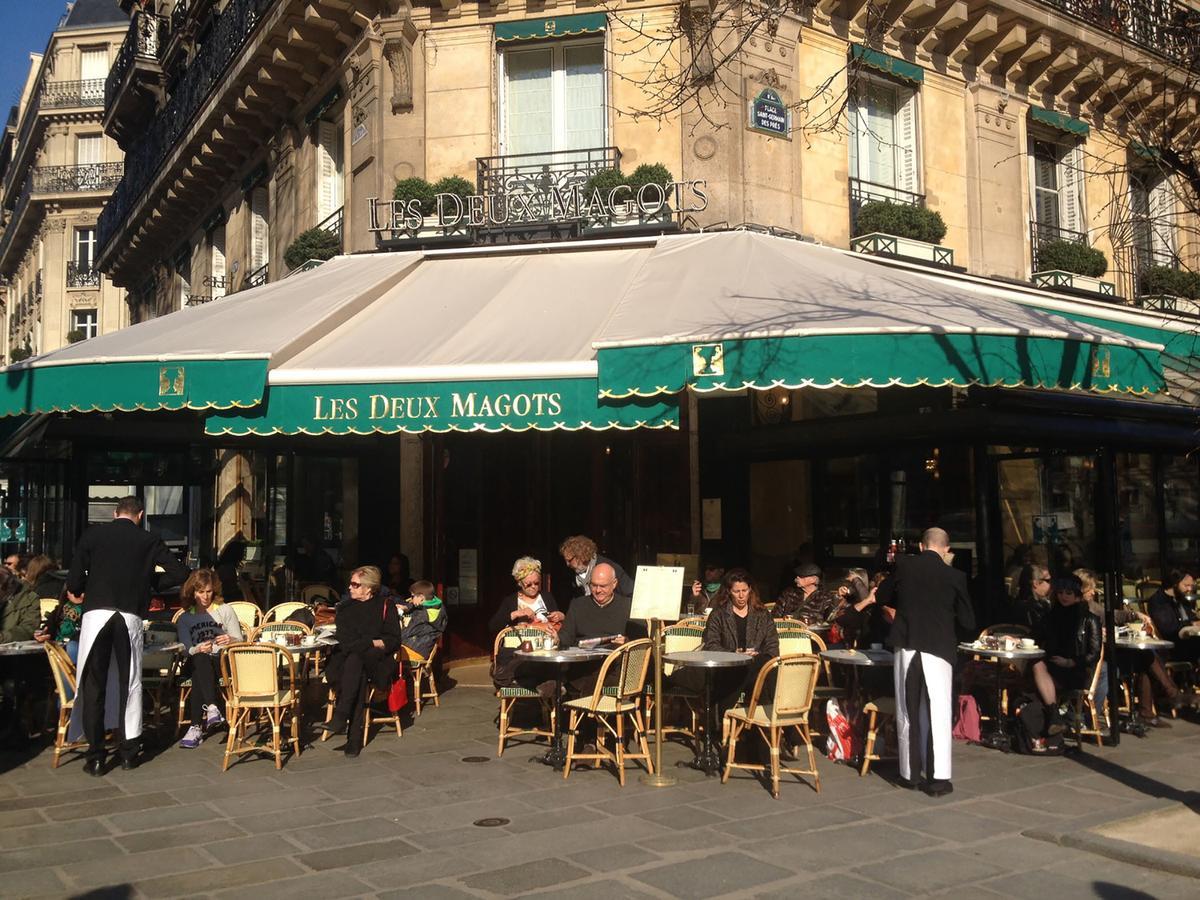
column 59, row 168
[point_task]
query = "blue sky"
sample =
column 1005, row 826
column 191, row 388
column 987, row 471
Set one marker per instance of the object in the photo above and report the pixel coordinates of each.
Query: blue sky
column 25, row 25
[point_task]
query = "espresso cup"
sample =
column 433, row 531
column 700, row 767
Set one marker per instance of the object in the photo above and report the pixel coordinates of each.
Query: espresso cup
column 1027, row 643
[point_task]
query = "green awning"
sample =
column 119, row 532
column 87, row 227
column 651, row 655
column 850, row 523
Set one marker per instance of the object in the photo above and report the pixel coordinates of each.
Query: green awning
column 878, row 360
column 556, row 27
column 1060, row 121
column 132, row 385
column 567, row 404
column 1141, row 151
column 890, row 65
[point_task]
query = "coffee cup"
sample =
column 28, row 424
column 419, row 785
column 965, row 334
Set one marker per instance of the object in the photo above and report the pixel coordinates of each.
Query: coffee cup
column 1027, row 643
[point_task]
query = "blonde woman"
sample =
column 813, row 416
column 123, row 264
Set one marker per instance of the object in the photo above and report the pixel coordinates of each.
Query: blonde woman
column 529, row 604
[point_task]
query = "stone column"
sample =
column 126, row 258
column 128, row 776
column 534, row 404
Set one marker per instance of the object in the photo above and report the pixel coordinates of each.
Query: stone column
column 997, row 183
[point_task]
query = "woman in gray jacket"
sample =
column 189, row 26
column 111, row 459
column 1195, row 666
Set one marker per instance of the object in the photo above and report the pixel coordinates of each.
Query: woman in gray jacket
column 205, row 627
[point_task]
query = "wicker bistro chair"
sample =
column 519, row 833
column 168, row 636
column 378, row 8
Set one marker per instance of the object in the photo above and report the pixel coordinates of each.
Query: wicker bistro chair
column 253, row 677
column 796, row 677
column 424, row 678
column 63, row 672
column 375, row 695
column 880, row 707
column 280, row 611
column 185, row 692
column 509, row 697
column 248, row 614
column 633, row 662
column 1087, row 698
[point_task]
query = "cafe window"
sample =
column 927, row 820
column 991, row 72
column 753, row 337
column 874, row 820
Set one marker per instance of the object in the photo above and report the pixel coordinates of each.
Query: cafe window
column 1138, row 498
column 884, row 149
column 553, row 97
column 1181, row 500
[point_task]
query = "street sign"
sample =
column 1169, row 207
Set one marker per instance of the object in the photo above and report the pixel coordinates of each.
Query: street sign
column 770, row 115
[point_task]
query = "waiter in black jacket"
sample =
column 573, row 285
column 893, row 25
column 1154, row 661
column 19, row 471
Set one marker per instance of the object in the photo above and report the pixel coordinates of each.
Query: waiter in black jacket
column 930, row 598
column 112, row 568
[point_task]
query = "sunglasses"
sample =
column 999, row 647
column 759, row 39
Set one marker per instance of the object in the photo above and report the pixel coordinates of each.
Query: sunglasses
column 356, row 584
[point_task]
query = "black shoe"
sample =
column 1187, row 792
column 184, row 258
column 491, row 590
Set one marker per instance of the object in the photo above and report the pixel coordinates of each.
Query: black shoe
column 1158, row 722
column 352, row 752
column 907, row 783
column 94, row 767
column 939, row 787
column 333, row 726
column 1055, row 725
column 129, row 763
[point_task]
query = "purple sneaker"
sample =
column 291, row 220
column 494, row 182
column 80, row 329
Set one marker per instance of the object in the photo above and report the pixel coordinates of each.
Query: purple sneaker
column 192, row 739
column 212, row 717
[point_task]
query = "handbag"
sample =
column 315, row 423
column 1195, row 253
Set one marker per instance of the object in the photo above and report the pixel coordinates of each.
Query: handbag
column 398, row 695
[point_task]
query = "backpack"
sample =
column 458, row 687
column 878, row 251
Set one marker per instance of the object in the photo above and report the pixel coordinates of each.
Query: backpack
column 966, row 720
column 844, row 741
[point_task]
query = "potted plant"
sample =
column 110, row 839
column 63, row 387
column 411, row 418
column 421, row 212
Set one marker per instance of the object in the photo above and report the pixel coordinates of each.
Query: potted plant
column 75, row 335
column 314, row 244
column 607, row 180
column 1074, row 265
column 1169, row 288
column 885, row 228
column 426, row 194
column 17, row 354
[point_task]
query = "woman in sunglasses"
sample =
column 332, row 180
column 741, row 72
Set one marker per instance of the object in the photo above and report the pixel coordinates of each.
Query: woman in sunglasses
column 368, row 632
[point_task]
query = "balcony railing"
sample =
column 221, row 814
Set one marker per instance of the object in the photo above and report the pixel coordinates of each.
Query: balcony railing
column 76, row 179
column 143, row 41
column 67, row 94
column 1041, row 233
column 230, row 33
column 527, row 173
column 82, row 275
column 259, row 276
column 191, row 299
column 10, row 230
column 863, row 192
column 1168, row 28
column 333, row 223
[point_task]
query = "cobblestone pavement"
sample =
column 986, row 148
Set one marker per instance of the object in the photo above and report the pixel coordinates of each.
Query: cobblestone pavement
column 398, row 822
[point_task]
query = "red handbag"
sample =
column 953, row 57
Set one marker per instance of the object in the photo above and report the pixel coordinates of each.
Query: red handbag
column 398, row 695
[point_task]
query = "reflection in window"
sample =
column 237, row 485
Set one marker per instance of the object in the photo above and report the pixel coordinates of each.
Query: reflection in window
column 1139, row 518
column 1181, row 500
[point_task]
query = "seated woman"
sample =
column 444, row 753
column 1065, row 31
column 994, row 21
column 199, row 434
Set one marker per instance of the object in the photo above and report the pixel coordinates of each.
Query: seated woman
column 529, row 605
column 62, row 624
column 206, row 626
column 1071, row 636
column 368, row 632
column 427, row 618
column 22, row 611
column 42, row 576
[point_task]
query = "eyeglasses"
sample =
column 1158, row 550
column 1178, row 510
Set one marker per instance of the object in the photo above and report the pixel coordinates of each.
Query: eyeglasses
column 356, row 584
column 532, row 582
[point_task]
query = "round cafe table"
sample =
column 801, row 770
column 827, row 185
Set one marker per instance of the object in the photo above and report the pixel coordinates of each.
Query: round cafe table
column 1135, row 725
column 556, row 756
column 859, row 659
column 998, row 738
column 20, row 648
column 708, row 755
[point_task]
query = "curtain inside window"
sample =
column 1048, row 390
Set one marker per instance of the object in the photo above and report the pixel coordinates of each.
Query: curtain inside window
column 89, row 149
column 528, row 102
column 583, row 95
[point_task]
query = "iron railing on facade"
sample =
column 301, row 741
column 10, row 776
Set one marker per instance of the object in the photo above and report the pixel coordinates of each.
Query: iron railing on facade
column 190, row 299
column 863, row 192
column 1168, row 28
column 143, row 41
column 76, row 179
column 333, row 223
column 259, row 276
column 1042, row 232
column 67, row 94
column 528, row 173
column 10, row 229
column 82, row 274
column 231, row 31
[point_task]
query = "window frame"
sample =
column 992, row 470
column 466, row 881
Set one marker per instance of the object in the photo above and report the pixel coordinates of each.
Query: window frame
column 77, row 244
column 558, row 48
column 1070, row 178
column 89, row 328
column 908, row 97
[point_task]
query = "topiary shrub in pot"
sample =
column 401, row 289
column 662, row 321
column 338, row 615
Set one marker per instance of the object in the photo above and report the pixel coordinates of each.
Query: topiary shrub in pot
column 454, row 184
column 604, row 181
column 900, row 219
column 1069, row 256
column 17, row 354
column 316, row 243
column 75, row 335
column 415, row 189
column 1163, row 281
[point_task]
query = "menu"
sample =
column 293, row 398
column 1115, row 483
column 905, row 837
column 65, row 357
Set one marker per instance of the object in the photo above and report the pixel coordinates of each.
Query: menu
column 657, row 593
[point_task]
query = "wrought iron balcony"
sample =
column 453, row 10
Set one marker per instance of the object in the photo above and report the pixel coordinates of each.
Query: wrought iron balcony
column 1041, row 233
column 1168, row 28
column 863, row 192
column 259, row 276
column 333, row 223
column 143, row 42
column 68, row 94
column 76, row 179
column 527, row 173
column 190, row 299
column 231, row 31
column 82, row 275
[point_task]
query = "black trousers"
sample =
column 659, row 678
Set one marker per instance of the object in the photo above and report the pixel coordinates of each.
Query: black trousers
column 351, row 697
column 111, row 643
column 205, row 686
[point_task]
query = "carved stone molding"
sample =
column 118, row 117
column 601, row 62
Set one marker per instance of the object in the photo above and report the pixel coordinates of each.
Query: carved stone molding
column 398, row 51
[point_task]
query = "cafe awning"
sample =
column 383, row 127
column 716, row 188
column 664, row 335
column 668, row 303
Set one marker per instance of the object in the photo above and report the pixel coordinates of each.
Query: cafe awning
column 728, row 311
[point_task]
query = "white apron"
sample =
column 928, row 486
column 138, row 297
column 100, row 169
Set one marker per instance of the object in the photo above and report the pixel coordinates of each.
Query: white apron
column 89, row 627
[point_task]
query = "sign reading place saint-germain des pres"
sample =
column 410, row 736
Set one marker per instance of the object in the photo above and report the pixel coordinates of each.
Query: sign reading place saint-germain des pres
column 770, row 115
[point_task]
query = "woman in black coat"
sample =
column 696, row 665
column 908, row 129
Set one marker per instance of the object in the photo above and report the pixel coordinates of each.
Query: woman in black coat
column 368, row 633
column 529, row 604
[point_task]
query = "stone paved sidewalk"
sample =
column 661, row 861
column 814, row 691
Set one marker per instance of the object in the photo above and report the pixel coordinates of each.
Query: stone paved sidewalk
column 398, row 822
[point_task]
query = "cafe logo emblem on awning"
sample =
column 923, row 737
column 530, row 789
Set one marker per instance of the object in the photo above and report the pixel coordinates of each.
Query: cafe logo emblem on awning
column 1102, row 363
column 170, row 381
column 708, row 359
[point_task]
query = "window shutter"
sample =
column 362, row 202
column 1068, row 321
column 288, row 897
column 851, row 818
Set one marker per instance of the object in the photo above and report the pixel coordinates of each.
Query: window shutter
column 329, row 169
column 882, row 137
column 584, row 109
column 93, row 69
column 89, row 149
column 528, row 101
column 1072, row 190
column 1162, row 220
column 907, row 151
column 217, row 265
column 857, row 130
column 259, row 233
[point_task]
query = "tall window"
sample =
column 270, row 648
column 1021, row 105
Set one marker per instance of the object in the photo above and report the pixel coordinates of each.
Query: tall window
column 553, row 98
column 216, row 269
column 329, row 169
column 884, row 147
column 85, row 249
column 1057, row 180
column 259, row 229
column 85, row 320
column 1152, row 204
column 89, row 149
column 93, row 69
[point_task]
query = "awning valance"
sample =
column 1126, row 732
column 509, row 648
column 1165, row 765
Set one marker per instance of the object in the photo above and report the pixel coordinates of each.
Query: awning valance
column 890, row 65
column 1059, row 121
column 738, row 311
column 556, row 27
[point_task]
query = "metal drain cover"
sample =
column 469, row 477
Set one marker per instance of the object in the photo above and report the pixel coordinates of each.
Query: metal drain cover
column 476, row 759
column 490, row 823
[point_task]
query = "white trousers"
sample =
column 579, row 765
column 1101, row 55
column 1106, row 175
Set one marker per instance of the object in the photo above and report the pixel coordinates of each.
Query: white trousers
column 116, row 696
column 924, row 709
